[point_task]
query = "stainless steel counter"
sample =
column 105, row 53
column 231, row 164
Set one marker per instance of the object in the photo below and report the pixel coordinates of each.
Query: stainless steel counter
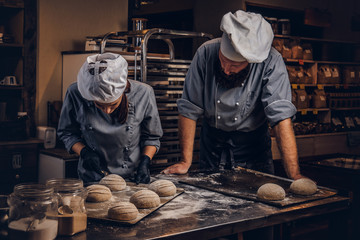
column 203, row 214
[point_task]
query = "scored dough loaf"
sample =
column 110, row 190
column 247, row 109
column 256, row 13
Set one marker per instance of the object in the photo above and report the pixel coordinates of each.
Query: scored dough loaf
column 271, row 191
column 123, row 211
column 145, row 199
column 164, row 188
column 98, row 193
column 114, row 182
column 303, row 186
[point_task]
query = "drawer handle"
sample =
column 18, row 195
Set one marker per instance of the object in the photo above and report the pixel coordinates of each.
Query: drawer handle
column 17, row 161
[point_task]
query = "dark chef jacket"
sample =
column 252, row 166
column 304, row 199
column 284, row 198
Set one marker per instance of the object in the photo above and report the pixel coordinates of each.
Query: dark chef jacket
column 118, row 144
column 236, row 119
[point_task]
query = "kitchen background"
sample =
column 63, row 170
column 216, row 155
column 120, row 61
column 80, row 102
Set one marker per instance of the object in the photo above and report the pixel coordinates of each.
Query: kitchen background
column 43, row 42
column 64, row 26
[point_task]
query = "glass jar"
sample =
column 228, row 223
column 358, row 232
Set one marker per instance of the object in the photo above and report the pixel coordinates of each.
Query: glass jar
column 274, row 23
column 71, row 214
column 4, row 216
column 285, row 26
column 32, row 212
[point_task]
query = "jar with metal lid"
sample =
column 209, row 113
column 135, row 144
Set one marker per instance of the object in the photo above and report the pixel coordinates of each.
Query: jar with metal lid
column 71, row 213
column 273, row 22
column 32, row 212
column 285, row 26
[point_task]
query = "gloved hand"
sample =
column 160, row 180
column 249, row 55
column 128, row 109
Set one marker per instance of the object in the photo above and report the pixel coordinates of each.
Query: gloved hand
column 143, row 172
column 91, row 160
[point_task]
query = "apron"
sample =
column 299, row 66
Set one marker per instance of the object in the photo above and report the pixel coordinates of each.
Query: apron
column 221, row 150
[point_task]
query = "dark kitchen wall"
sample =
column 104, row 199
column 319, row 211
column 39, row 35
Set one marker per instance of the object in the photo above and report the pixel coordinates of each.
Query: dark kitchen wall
column 63, row 26
column 345, row 14
column 207, row 14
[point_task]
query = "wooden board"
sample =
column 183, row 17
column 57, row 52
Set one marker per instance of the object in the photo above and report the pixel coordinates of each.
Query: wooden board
column 244, row 183
column 98, row 211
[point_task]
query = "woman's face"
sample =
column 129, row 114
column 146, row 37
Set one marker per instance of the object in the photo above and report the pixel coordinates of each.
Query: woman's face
column 108, row 108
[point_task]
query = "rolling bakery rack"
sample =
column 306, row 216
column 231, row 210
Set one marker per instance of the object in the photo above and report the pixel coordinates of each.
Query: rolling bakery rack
column 166, row 75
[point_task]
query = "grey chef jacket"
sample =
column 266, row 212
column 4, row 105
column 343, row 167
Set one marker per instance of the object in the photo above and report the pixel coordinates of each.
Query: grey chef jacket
column 118, row 144
column 237, row 116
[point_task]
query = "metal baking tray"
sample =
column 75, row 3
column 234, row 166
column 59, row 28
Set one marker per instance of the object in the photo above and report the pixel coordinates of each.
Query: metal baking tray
column 98, row 211
column 244, row 183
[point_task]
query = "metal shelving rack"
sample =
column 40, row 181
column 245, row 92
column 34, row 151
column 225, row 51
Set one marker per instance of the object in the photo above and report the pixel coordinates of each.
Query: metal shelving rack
column 166, row 75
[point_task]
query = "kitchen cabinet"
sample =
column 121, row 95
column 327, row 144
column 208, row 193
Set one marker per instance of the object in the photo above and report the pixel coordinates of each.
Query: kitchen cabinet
column 18, row 152
column 19, row 163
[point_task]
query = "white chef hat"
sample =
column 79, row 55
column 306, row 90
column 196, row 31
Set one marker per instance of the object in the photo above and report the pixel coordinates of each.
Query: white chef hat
column 246, row 37
column 103, row 77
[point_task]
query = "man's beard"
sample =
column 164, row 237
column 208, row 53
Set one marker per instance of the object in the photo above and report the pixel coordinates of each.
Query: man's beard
column 232, row 80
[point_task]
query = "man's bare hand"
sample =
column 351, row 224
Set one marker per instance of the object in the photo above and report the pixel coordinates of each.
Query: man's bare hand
column 178, row 168
column 297, row 176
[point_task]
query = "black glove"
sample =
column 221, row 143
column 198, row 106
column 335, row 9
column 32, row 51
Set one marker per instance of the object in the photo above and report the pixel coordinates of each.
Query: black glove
column 143, row 172
column 91, row 160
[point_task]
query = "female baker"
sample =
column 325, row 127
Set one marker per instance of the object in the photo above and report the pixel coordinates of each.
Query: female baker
column 110, row 121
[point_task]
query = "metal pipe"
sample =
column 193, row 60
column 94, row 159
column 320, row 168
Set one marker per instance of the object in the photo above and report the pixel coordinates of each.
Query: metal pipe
column 154, row 33
column 171, row 48
column 104, row 39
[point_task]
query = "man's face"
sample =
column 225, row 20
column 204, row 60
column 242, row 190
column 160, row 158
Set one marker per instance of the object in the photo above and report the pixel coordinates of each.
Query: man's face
column 231, row 74
column 230, row 67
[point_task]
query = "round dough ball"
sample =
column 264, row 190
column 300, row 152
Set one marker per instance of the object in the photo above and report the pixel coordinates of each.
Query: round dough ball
column 145, row 199
column 123, row 211
column 271, row 191
column 98, row 193
column 303, row 186
column 164, row 188
column 114, row 182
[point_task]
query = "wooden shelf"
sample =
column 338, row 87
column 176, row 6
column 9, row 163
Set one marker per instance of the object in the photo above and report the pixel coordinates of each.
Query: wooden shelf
column 315, row 39
column 19, row 20
column 19, row 5
column 345, row 109
column 5, row 87
column 14, row 45
column 314, row 109
column 20, row 142
column 301, row 61
column 319, row 144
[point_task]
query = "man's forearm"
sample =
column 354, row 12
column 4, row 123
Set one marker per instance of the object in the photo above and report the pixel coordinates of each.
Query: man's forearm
column 285, row 139
column 187, row 128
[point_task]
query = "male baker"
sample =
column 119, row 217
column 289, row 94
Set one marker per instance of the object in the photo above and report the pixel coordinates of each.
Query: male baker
column 239, row 85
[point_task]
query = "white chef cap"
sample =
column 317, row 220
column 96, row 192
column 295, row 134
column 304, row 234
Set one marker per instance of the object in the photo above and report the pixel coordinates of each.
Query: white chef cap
column 246, row 36
column 103, row 77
